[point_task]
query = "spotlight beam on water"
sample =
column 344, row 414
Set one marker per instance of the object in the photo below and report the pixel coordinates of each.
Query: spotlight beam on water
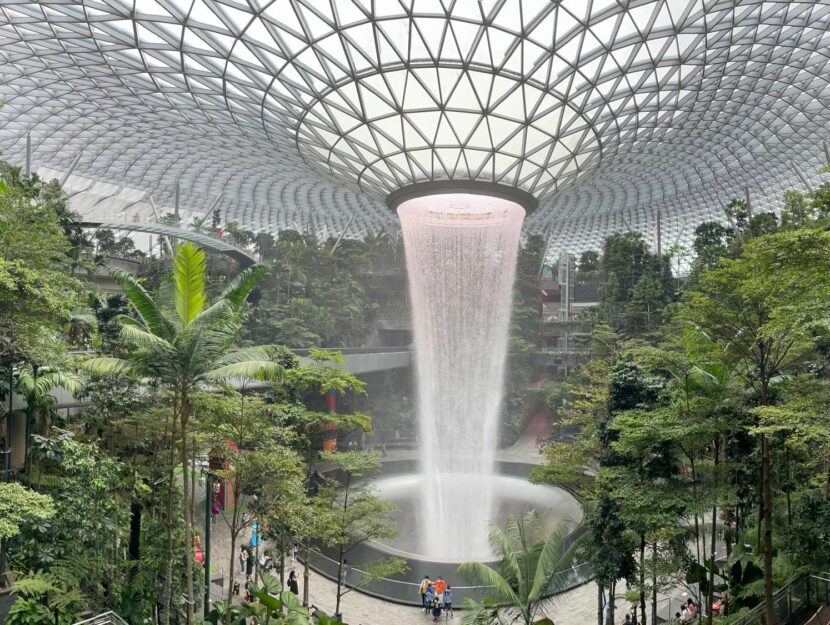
column 461, row 259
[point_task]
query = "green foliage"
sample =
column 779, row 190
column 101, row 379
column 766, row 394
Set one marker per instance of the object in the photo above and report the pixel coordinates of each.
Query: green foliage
column 524, row 334
column 780, row 281
column 74, row 545
column 635, row 284
column 807, row 540
column 178, row 340
column 530, row 559
column 272, row 606
column 107, row 244
column 588, row 261
column 349, row 514
column 609, row 545
column 711, row 243
column 18, row 505
column 325, row 292
column 44, row 599
column 37, row 291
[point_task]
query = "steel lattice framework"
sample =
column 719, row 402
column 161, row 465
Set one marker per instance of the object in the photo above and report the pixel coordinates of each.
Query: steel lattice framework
column 287, row 113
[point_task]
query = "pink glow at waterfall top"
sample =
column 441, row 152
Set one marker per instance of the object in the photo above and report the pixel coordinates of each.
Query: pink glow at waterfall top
column 461, row 209
column 461, row 259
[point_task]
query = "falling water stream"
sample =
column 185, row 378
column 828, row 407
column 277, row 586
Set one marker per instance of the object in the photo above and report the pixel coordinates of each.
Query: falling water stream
column 461, row 259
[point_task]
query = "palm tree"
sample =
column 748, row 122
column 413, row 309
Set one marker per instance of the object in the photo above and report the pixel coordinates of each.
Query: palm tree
column 36, row 384
column 528, row 575
column 181, row 344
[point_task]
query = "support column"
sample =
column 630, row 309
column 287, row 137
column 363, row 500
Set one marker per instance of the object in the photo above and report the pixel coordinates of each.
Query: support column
column 208, row 517
column 72, row 167
column 28, row 170
column 330, row 436
column 178, row 196
column 659, row 233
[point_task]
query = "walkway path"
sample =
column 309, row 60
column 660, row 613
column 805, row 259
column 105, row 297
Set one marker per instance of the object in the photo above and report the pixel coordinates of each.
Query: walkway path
column 576, row 607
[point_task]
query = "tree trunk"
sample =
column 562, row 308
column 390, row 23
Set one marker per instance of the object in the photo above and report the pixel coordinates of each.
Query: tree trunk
column 728, row 518
column 282, row 560
column 766, row 487
column 789, row 488
column 134, row 548
column 167, row 597
column 232, row 567
column 339, row 580
column 643, row 578
column 710, row 595
column 340, row 547
column 697, row 524
column 759, row 529
column 306, row 572
column 612, row 591
column 188, row 527
column 654, row 583
column 599, row 604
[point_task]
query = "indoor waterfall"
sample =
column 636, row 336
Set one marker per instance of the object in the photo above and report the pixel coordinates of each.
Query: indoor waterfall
column 461, row 254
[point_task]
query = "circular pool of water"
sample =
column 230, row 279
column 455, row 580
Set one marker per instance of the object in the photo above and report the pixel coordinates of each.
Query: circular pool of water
column 513, row 497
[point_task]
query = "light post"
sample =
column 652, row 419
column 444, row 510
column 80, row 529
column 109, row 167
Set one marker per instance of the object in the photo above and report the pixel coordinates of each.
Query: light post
column 212, row 488
column 7, row 470
column 7, row 452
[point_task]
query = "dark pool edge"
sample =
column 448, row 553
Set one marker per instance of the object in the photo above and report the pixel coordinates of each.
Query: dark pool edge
column 323, row 564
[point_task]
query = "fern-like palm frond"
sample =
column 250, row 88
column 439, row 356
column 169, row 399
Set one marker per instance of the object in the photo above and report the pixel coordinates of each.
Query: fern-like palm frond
column 549, row 562
column 498, row 588
column 40, row 385
column 143, row 304
column 188, row 282
column 133, row 332
column 256, row 369
column 500, row 544
column 237, row 291
column 106, row 365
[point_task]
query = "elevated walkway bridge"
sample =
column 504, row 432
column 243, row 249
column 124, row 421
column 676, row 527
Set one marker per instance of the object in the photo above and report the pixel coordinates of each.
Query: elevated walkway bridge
column 357, row 360
column 243, row 257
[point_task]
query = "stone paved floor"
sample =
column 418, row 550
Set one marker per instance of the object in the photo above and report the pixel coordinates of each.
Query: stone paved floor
column 577, row 607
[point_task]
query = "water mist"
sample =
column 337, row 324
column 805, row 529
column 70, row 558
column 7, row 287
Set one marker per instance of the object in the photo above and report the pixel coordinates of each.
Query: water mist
column 461, row 259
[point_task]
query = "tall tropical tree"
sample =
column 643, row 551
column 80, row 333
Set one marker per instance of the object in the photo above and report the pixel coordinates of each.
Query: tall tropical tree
column 181, row 344
column 764, row 310
column 522, row 588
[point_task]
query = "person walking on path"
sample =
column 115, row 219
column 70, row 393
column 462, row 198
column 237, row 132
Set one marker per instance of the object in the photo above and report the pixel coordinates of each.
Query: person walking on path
column 448, row 602
column 243, row 558
column 436, row 609
column 440, row 587
column 428, row 598
column 423, row 589
column 343, row 572
column 249, row 565
column 293, row 586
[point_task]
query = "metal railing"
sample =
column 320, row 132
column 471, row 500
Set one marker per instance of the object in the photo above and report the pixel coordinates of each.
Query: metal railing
column 106, row 618
column 406, row 592
column 793, row 603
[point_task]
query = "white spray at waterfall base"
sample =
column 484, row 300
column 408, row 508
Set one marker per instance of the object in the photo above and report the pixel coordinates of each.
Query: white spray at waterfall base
column 461, row 259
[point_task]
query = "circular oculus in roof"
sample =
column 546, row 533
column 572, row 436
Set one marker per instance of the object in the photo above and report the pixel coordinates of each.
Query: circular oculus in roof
column 392, row 128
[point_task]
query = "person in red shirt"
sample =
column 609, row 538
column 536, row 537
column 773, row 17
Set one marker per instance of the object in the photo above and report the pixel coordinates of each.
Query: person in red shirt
column 440, row 587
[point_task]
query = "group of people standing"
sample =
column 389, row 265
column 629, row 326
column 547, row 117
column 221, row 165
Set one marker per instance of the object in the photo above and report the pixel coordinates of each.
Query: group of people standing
column 436, row 597
column 688, row 613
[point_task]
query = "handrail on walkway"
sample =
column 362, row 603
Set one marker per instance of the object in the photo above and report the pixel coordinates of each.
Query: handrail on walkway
column 104, row 618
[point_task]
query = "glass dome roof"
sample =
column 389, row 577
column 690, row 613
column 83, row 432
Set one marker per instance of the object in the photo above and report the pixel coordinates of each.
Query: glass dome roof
column 307, row 113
